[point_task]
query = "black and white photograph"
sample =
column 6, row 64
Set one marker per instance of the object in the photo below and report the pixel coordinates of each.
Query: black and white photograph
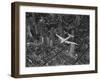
column 51, row 39
column 56, row 39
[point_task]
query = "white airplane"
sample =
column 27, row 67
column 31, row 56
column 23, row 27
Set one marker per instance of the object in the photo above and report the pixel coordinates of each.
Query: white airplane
column 62, row 39
column 66, row 39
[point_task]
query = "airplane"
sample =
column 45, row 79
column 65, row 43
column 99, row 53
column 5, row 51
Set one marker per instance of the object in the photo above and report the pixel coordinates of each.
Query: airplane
column 62, row 39
column 66, row 39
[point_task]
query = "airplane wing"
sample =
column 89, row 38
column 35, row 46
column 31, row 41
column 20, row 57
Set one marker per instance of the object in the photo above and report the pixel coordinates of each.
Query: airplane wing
column 59, row 37
column 67, row 38
column 69, row 42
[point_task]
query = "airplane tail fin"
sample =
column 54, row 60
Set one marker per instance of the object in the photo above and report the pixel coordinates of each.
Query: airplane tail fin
column 70, row 35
